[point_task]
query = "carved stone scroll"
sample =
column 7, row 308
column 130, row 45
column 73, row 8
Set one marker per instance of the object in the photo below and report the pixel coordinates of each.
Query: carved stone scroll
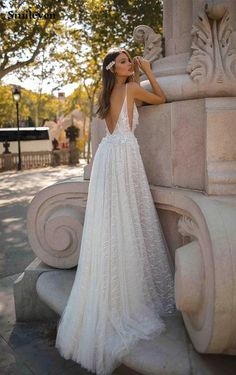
column 152, row 42
column 55, row 223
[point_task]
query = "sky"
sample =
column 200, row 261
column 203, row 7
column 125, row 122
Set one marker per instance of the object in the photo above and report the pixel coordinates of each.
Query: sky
column 33, row 85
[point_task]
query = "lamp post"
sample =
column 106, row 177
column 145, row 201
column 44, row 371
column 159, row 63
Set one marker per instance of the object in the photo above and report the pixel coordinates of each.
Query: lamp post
column 16, row 97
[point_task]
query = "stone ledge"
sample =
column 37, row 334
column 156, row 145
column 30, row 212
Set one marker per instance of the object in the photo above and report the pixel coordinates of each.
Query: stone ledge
column 28, row 306
column 57, row 284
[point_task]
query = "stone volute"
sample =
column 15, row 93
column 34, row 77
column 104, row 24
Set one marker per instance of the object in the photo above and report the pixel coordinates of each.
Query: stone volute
column 55, row 223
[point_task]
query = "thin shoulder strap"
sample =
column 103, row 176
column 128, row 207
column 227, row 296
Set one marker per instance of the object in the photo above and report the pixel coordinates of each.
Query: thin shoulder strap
column 126, row 98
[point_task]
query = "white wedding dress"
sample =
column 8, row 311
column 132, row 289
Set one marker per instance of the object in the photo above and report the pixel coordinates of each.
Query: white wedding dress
column 123, row 281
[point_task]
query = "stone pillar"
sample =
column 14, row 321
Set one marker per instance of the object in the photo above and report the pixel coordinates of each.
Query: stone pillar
column 177, row 23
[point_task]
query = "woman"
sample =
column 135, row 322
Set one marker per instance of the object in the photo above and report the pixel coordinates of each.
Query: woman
column 123, row 282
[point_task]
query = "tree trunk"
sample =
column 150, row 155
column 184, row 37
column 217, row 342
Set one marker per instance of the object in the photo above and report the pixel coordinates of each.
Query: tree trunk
column 89, row 131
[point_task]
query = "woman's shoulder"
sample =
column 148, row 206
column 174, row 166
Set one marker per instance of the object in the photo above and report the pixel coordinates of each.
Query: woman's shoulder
column 132, row 87
column 132, row 84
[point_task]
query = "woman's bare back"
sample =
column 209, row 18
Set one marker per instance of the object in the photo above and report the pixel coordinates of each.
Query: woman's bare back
column 117, row 101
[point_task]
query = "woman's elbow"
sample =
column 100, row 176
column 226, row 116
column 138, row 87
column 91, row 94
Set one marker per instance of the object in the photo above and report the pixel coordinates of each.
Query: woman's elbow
column 161, row 100
column 164, row 100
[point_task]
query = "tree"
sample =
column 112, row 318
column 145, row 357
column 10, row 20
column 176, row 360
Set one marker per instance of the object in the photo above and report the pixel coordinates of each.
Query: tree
column 28, row 27
column 113, row 21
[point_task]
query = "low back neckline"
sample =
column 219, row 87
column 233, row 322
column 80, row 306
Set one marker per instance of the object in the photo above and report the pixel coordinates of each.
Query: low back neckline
column 119, row 113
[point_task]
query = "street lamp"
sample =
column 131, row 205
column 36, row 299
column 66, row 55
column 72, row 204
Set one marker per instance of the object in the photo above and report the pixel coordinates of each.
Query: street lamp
column 16, row 97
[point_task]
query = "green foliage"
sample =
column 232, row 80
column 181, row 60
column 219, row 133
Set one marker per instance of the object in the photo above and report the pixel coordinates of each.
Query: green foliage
column 23, row 37
column 112, row 22
column 33, row 107
column 77, row 100
column 76, row 40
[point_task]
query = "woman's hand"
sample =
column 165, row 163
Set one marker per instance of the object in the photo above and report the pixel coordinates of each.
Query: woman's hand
column 136, row 71
column 140, row 62
column 136, row 66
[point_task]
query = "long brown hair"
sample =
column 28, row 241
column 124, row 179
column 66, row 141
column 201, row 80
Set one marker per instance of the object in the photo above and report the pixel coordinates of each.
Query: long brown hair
column 108, row 81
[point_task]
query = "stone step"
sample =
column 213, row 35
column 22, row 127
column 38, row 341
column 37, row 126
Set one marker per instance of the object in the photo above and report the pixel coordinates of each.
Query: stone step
column 57, row 284
column 169, row 354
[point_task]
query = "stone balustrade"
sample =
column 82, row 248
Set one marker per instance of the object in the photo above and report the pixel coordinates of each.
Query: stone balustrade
column 37, row 159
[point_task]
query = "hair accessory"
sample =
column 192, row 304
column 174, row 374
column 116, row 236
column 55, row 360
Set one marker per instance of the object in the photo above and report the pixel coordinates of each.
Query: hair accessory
column 110, row 65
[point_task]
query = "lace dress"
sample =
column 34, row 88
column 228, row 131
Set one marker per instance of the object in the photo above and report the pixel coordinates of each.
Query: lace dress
column 123, row 281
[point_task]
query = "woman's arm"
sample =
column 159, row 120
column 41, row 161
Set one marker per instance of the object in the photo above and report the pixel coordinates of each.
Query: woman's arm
column 137, row 79
column 158, row 97
column 136, row 71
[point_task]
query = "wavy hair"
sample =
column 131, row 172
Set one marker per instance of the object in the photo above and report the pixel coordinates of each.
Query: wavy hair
column 108, row 81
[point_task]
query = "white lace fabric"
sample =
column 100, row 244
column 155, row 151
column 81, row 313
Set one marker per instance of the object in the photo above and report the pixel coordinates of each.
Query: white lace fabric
column 123, row 282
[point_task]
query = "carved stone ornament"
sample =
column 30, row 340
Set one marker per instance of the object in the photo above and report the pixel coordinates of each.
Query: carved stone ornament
column 187, row 227
column 55, row 222
column 213, row 58
column 152, row 42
